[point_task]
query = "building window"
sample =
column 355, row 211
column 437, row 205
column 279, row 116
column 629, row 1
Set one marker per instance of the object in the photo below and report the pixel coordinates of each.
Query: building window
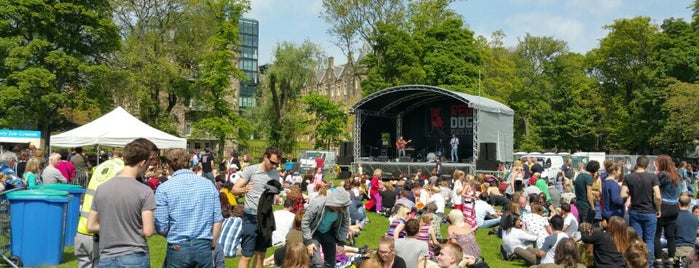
column 187, row 128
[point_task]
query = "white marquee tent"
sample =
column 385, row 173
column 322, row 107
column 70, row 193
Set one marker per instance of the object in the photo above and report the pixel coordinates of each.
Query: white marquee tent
column 116, row 128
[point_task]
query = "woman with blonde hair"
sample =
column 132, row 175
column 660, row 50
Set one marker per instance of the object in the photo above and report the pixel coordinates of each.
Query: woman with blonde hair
column 31, row 172
column 462, row 234
column 469, row 200
column 456, row 198
column 374, row 197
column 296, row 256
column 397, row 228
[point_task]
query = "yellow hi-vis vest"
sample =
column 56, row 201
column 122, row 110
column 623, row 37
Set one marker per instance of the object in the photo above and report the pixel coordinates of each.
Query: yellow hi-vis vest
column 101, row 174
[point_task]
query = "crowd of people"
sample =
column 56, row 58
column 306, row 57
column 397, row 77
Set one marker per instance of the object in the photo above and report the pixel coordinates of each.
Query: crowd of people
column 595, row 215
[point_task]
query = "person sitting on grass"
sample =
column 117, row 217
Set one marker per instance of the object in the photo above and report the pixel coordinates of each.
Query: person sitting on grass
column 513, row 238
column 296, row 256
column 461, row 233
column 411, row 248
column 450, row 256
column 426, row 232
column 547, row 250
column 397, row 228
column 386, row 255
column 566, row 256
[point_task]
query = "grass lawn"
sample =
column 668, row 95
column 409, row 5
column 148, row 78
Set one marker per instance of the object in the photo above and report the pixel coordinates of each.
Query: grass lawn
column 375, row 229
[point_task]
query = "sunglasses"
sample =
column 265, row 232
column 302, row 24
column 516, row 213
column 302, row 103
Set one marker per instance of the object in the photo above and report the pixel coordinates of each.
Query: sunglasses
column 384, row 252
column 272, row 162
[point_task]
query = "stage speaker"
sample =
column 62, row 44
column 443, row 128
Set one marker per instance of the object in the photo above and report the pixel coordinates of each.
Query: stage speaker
column 383, row 158
column 344, row 160
column 346, row 148
column 486, row 165
column 344, row 175
column 384, row 151
column 488, row 151
column 405, row 159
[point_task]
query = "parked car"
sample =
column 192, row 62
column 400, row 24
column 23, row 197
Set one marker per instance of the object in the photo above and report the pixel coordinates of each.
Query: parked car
column 308, row 160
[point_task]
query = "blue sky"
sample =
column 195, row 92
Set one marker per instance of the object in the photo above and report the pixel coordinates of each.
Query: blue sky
column 578, row 22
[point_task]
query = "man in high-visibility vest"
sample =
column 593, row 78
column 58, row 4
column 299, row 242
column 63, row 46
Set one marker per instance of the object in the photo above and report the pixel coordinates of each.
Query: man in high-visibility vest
column 86, row 244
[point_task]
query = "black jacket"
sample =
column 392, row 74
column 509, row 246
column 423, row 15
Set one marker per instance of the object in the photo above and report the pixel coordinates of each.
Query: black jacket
column 265, row 217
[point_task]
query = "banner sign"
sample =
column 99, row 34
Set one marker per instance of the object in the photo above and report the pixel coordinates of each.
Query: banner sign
column 20, row 134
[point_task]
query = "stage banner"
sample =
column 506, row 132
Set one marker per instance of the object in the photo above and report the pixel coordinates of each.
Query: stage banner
column 449, row 118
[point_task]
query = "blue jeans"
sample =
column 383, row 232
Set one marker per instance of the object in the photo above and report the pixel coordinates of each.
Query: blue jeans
column 133, row 260
column 192, row 253
column 489, row 223
column 454, row 155
column 645, row 224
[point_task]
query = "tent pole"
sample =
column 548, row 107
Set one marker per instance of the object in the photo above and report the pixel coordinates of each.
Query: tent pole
column 98, row 155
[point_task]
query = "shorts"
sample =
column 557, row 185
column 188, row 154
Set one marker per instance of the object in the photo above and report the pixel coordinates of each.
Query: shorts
column 251, row 240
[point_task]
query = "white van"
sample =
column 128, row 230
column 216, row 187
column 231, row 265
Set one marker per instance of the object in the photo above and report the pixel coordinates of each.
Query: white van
column 551, row 162
column 308, row 160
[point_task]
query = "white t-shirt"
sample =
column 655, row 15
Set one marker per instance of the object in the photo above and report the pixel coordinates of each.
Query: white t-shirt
column 438, row 200
column 482, row 209
column 283, row 220
column 456, row 193
column 549, row 247
column 572, row 223
column 515, row 239
column 424, row 196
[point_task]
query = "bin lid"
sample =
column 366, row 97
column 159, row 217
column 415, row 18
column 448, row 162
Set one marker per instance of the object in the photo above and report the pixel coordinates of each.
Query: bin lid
column 70, row 188
column 37, row 194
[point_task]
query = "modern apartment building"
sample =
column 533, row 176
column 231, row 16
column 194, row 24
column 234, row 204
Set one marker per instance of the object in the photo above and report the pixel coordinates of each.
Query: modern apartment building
column 249, row 33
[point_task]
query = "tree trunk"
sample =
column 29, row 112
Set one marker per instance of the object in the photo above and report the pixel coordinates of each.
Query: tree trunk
column 275, row 96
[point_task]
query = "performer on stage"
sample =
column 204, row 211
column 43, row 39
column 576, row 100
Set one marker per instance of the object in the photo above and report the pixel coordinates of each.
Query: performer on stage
column 454, row 148
column 400, row 146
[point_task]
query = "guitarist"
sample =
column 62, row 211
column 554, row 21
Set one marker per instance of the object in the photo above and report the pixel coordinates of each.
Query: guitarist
column 400, row 146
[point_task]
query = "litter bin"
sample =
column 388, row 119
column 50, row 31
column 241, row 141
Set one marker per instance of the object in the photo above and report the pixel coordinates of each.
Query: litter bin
column 37, row 223
column 73, row 213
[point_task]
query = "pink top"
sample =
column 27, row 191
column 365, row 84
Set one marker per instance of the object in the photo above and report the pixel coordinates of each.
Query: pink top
column 67, row 169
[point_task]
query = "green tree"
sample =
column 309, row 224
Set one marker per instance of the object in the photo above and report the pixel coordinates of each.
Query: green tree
column 329, row 120
column 213, row 84
column 533, row 99
column 682, row 108
column 623, row 65
column 163, row 44
column 49, row 50
column 432, row 46
column 292, row 69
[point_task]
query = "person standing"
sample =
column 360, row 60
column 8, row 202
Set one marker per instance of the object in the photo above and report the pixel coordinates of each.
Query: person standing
column 326, row 222
column 613, row 204
column 122, row 211
column 643, row 187
column 670, row 184
column 454, row 148
column 374, row 197
column 82, row 166
column 51, row 174
column 583, row 192
column 251, row 182
column 207, row 165
column 86, row 247
column 400, row 146
column 188, row 214
column 438, row 168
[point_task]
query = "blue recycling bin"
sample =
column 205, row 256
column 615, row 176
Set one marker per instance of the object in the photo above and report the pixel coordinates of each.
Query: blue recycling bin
column 73, row 213
column 37, row 224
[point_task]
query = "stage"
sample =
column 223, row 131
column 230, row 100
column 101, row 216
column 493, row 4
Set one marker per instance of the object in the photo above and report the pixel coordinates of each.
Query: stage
column 393, row 169
column 430, row 120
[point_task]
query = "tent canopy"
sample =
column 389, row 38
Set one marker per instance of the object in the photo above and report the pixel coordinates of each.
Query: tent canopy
column 116, row 128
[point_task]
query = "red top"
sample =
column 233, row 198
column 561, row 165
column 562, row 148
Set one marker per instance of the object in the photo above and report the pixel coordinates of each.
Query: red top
column 374, row 186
